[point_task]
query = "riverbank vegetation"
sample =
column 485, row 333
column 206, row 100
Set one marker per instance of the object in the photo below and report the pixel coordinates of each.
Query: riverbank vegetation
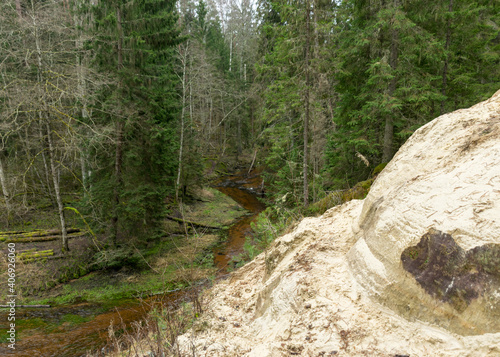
column 280, row 219
column 180, row 258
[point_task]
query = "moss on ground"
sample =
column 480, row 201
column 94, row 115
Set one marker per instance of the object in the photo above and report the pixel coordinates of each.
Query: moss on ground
column 168, row 263
column 335, row 198
column 212, row 208
column 173, row 263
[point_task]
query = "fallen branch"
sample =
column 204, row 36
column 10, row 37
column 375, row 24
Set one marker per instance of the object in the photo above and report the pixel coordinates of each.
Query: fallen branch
column 192, row 223
column 49, row 257
column 253, row 161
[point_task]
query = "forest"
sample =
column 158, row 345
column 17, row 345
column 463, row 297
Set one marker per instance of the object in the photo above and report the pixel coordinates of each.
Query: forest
column 117, row 117
column 112, row 112
column 113, row 107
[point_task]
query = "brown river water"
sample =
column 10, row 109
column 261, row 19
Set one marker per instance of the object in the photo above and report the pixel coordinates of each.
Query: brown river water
column 68, row 340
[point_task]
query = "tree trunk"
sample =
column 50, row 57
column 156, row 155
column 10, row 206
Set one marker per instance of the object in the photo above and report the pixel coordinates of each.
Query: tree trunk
column 118, row 178
column 210, row 120
column 5, row 192
column 82, row 94
column 306, row 119
column 119, row 141
column 389, row 120
column 83, row 167
column 238, row 139
column 252, row 131
column 40, row 79
column 183, row 111
column 231, row 53
column 46, row 167
column 120, row 37
column 57, row 190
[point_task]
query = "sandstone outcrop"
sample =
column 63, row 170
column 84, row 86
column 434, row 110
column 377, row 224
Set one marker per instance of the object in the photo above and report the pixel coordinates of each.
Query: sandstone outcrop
column 412, row 270
column 431, row 222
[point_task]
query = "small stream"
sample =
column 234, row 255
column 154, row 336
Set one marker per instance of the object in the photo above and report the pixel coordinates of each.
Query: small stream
column 244, row 190
column 72, row 340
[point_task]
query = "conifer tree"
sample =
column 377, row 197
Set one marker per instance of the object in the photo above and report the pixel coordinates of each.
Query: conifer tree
column 296, row 95
column 400, row 64
column 136, row 48
column 385, row 82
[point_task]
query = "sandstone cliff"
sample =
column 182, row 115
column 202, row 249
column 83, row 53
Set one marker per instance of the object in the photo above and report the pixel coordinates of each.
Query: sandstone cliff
column 414, row 269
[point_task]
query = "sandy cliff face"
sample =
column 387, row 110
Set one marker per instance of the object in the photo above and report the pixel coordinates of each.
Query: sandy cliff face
column 430, row 226
column 414, row 269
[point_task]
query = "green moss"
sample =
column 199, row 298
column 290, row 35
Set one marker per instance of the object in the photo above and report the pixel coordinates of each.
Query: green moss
column 488, row 258
column 75, row 319
column 413, row 254
column 358, row 192
column 30, row 323
column 23, row 327
column 378, row 169
column 331, row 200
column 3, row 336
column 104, row 288
column 168, row 263
column 217, row 210
column 32, row 255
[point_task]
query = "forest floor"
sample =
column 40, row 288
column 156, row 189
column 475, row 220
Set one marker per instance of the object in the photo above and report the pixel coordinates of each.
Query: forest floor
column 92, row 280
column 181, row 256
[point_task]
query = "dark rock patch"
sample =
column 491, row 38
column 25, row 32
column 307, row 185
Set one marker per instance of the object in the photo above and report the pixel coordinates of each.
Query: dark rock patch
column 449, row 273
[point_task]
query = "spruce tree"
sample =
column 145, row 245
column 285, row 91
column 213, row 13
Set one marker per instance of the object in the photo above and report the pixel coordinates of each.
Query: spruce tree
column 400, row 64
column 137, row 171
column 387, row 85
column 297, row 96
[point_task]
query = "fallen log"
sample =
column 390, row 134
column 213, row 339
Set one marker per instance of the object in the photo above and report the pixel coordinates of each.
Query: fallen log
column 31, row 255
column 41, row 239
column 36, row 233
column 19, row 232
column 191, row 223
column 25, row 306
column 49, row 257
column 33, row 251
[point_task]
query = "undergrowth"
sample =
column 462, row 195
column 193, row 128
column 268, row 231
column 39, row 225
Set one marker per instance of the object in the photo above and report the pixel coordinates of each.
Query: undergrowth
column 277, row 219
column 269, row 225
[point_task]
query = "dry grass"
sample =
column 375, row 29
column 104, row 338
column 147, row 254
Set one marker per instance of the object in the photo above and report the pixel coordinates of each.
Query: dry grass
column 157, row 334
